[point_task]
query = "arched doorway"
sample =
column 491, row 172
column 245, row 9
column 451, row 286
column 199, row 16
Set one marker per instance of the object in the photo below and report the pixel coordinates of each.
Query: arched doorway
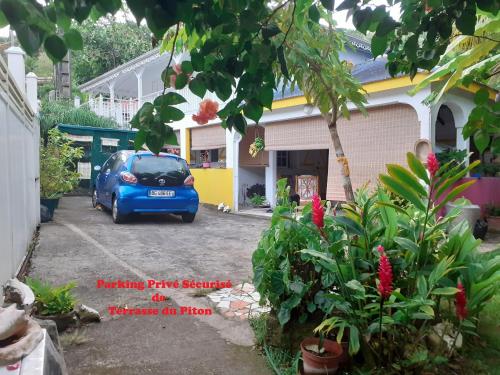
column 445, row 131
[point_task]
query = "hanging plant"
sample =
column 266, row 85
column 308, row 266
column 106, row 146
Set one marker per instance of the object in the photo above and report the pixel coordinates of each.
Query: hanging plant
column 256, row 147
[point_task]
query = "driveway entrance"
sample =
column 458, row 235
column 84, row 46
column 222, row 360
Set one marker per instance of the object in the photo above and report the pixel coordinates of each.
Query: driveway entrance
column 83, row 244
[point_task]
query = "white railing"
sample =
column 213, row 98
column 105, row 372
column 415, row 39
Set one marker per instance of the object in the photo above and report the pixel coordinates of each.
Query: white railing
column 123, row 110
column 19, row 180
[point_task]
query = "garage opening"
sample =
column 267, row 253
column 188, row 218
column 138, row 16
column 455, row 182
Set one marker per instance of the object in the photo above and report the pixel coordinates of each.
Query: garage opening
column 306, row 172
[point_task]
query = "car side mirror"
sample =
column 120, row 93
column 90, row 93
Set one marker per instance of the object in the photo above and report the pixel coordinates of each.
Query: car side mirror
column 97, row 168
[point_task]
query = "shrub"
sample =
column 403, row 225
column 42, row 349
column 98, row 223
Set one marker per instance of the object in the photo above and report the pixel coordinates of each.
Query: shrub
column 57, row 165
column 391, row 276
column 53, row 113
column 51, row 300
column 258, row 189
column 258, row 200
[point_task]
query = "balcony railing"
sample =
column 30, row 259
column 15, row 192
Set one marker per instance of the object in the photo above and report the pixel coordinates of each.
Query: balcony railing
column 123, row 110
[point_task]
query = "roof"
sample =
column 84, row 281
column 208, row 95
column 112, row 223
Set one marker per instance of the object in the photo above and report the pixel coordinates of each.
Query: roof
column 92, row 129
column 369, row 71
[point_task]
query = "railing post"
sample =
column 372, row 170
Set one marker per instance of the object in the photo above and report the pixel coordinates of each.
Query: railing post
column 15, row 61
column 32, row 91
column 76, row 101
column 100, row 106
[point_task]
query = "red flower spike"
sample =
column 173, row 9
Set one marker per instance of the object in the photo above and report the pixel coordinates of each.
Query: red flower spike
column 461, row 302
column 432, row 164
column 206, row 112
column 317, row 212
column 384, row 275
column 380, row 249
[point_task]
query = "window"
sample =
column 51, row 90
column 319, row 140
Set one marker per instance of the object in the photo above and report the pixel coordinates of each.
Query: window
column 149, row 168
column 283, row 159
column 216, row 157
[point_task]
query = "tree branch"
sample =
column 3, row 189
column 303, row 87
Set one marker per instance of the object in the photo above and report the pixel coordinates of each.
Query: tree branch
column 291, row 23
column 171, row 54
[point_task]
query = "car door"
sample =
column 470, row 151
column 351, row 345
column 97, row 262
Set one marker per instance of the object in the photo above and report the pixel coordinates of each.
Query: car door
column 114, row 175
column 105, row 193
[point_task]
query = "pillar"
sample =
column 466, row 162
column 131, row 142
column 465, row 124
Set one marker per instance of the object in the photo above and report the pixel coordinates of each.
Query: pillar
column 138, row 74
column 271, row 178
column 32, row 91
column 15, row 62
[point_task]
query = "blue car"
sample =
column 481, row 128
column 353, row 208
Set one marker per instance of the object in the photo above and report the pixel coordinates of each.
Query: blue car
column 142, row 182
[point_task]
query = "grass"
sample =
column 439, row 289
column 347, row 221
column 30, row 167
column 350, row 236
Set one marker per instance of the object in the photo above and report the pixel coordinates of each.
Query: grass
column 278, row 360
column 203, row 292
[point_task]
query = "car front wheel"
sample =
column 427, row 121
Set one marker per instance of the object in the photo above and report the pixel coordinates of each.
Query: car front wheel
column 188, row 218
column 118, row 218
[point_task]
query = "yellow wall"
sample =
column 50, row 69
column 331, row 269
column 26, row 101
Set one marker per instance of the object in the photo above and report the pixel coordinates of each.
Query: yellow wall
column 214, row 185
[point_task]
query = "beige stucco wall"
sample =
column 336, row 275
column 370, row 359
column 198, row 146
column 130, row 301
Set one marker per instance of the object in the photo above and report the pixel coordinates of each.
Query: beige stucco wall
column 369, row 142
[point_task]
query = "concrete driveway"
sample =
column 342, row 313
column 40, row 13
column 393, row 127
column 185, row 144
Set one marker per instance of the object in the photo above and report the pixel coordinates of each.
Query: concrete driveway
column 83, row 244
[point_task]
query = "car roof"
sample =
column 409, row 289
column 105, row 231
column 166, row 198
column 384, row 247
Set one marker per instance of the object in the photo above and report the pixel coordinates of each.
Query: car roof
column 132, row 153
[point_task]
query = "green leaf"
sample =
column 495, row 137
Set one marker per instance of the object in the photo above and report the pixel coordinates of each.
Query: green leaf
column 427, row 310
column 482, row 96
column 170, row 98
column 266, row 96
column 347, row 4
column 270, row 30
column 55, row 48
column 138, row 9
column 181, row 81
column 187, row 67
column 353, row 340
column 449, row 291
column 379, row 45
column 240, row 123
column 170, row 114
column 328, row 4
column 140, row 139
column 30, row 38
column 223, row 88
column 283, row 315
column 481, row 140
column 197, row 87
column 253, row 110
column 407, row 244
column 386, row 26
column 407, row 179
column 453, row 194
column 314, row 13
column 282, row 61
column 422, row 286
column 400, row 189
column 171, row 138
column 3, row 20
column 73, row 39
column 466, row 23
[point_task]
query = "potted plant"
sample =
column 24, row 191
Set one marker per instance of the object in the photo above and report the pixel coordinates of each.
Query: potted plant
column 54, row 303
column 494, row 218
column 57, row 168
column 320, row 355
column 204, row 159
column 258, row 201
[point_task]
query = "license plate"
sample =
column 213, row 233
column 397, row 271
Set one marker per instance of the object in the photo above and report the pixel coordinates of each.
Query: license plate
column 162, row 193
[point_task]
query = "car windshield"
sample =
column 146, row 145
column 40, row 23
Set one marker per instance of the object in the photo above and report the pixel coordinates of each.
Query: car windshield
column 173, row 170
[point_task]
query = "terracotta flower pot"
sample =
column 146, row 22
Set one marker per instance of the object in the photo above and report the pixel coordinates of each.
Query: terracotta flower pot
column 325, row 364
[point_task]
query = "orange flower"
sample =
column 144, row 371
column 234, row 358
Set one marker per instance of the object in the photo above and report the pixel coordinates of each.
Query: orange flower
column 206, row 112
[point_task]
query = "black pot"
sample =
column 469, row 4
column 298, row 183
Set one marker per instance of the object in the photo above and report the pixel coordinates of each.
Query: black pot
column 51, row 204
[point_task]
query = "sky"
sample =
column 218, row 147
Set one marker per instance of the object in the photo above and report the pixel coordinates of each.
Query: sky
column 340, row 17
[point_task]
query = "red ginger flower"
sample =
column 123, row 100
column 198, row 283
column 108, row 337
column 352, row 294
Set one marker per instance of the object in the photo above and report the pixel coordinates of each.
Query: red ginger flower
column 461, row 302
column 432, row 164
column 207, row 111
column 384, row 274
column 317, row 212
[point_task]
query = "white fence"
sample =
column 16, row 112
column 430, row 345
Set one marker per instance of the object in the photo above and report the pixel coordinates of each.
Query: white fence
column 19, row 175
